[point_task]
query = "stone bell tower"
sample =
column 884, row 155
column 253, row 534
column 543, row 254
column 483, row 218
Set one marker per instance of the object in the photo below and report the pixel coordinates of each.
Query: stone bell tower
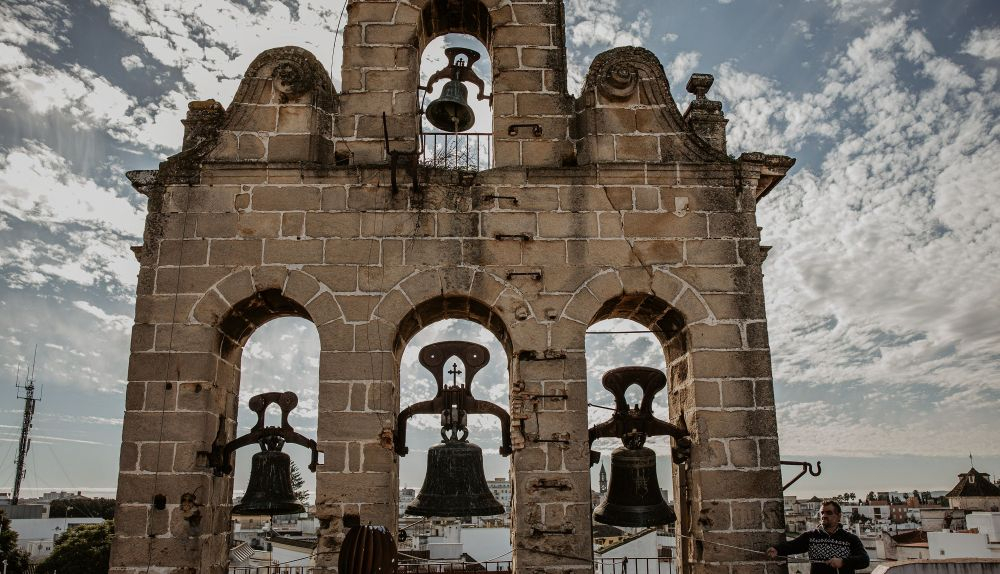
column 296, row 200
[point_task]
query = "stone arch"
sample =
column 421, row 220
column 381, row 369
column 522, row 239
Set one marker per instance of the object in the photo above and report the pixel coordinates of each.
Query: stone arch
column 656, row 299
column 440, row 17
column 246, row 299
column 429, row 296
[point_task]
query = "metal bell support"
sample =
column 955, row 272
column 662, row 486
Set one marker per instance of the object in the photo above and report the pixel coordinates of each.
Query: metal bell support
column 455, row 483
column 451, row 111
column 269, row 490
column 633, row 497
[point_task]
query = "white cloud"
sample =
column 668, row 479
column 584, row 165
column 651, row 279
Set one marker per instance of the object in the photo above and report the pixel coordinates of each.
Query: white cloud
column 117, row 322
column 11, row 57
column 94, row 226
column 802, row 28
column 901, row 289
column 598, row 25
column 132, row 62
column 38, row 185
column 214, row 42
column 40, row 22
column 983, row 43
column 831, row 428
column 682, row 66
column 669, row 37
column 855, row 10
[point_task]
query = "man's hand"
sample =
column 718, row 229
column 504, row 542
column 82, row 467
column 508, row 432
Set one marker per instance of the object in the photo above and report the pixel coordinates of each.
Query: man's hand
column 836, row 563
column 772, row 552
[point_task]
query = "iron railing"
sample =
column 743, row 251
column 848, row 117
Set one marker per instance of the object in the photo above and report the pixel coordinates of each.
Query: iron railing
column 601, row 566
column 269, row 569
column 662, row 565
column 471, row 151
column 432, row 567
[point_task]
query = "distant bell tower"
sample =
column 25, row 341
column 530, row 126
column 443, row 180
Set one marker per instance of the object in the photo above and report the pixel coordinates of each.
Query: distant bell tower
column 603, row 480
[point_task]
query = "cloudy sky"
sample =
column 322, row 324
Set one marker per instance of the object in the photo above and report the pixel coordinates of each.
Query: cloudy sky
column 881, row 286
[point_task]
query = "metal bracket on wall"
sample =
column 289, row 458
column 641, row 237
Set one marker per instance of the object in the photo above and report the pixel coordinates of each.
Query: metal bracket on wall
column 536, row 130
column 510, row 197
column 806, row 467
column 547, row 355
column 394, row 155
column 536, row 275
column 535, row 531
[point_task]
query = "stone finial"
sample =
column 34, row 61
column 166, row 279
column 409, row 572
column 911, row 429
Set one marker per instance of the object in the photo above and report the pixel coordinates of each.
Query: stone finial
column 202, row 123
column 699, row 84
column 704, row 115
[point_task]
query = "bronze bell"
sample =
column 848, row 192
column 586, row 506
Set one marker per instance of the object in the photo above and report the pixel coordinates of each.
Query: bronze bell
column 269, row 491
column 451, row 111
column 455, row 484
column 633, row 497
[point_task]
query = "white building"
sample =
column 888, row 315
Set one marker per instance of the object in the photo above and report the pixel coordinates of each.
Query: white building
column 500, row 487
column 406, row 496
column 981, row 539
column 633, row 554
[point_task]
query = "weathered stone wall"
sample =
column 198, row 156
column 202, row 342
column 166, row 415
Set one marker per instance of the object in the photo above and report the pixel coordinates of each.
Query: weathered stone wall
column 281, row 205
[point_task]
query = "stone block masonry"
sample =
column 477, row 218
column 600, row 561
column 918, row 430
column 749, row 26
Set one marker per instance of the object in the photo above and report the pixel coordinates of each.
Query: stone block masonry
column 280, row 205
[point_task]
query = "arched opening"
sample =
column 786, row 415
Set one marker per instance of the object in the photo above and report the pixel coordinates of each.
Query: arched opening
column 471, row 149
column 448, row 25
column 635, row 331
column 282, row 355
column 268, row 343
column 483, row 538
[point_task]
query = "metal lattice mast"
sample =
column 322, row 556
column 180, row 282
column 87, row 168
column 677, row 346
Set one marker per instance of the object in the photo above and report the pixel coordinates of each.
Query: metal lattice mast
column 24, row 444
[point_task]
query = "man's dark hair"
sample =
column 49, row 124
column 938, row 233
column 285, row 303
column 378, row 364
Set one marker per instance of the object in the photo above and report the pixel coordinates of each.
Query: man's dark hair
column 832, row 503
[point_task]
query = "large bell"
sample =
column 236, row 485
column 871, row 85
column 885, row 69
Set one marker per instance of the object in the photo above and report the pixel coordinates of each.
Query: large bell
column 451, row 112
column 269, row 491
column 455, row 484
column 633, row 497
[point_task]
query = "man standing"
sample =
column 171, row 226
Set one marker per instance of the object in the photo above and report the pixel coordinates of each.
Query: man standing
column 831, row 549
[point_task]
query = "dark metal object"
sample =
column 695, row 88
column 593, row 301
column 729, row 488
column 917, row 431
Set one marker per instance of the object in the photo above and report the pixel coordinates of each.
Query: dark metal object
column 455, row 483
column 546, row 355
column 460, row 70
column 466, row 152
column 513, row 237
column 536, row 275
column 806, row 467
column 510, row 197
column 536, row 129
column 634, row 497
column 367, row 550
column 269, row 490
column 394, row 155
column 24, row 442
column 451, row 111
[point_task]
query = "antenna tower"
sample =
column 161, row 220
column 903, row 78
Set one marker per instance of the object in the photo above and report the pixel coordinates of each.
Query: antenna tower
column 25, row 391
